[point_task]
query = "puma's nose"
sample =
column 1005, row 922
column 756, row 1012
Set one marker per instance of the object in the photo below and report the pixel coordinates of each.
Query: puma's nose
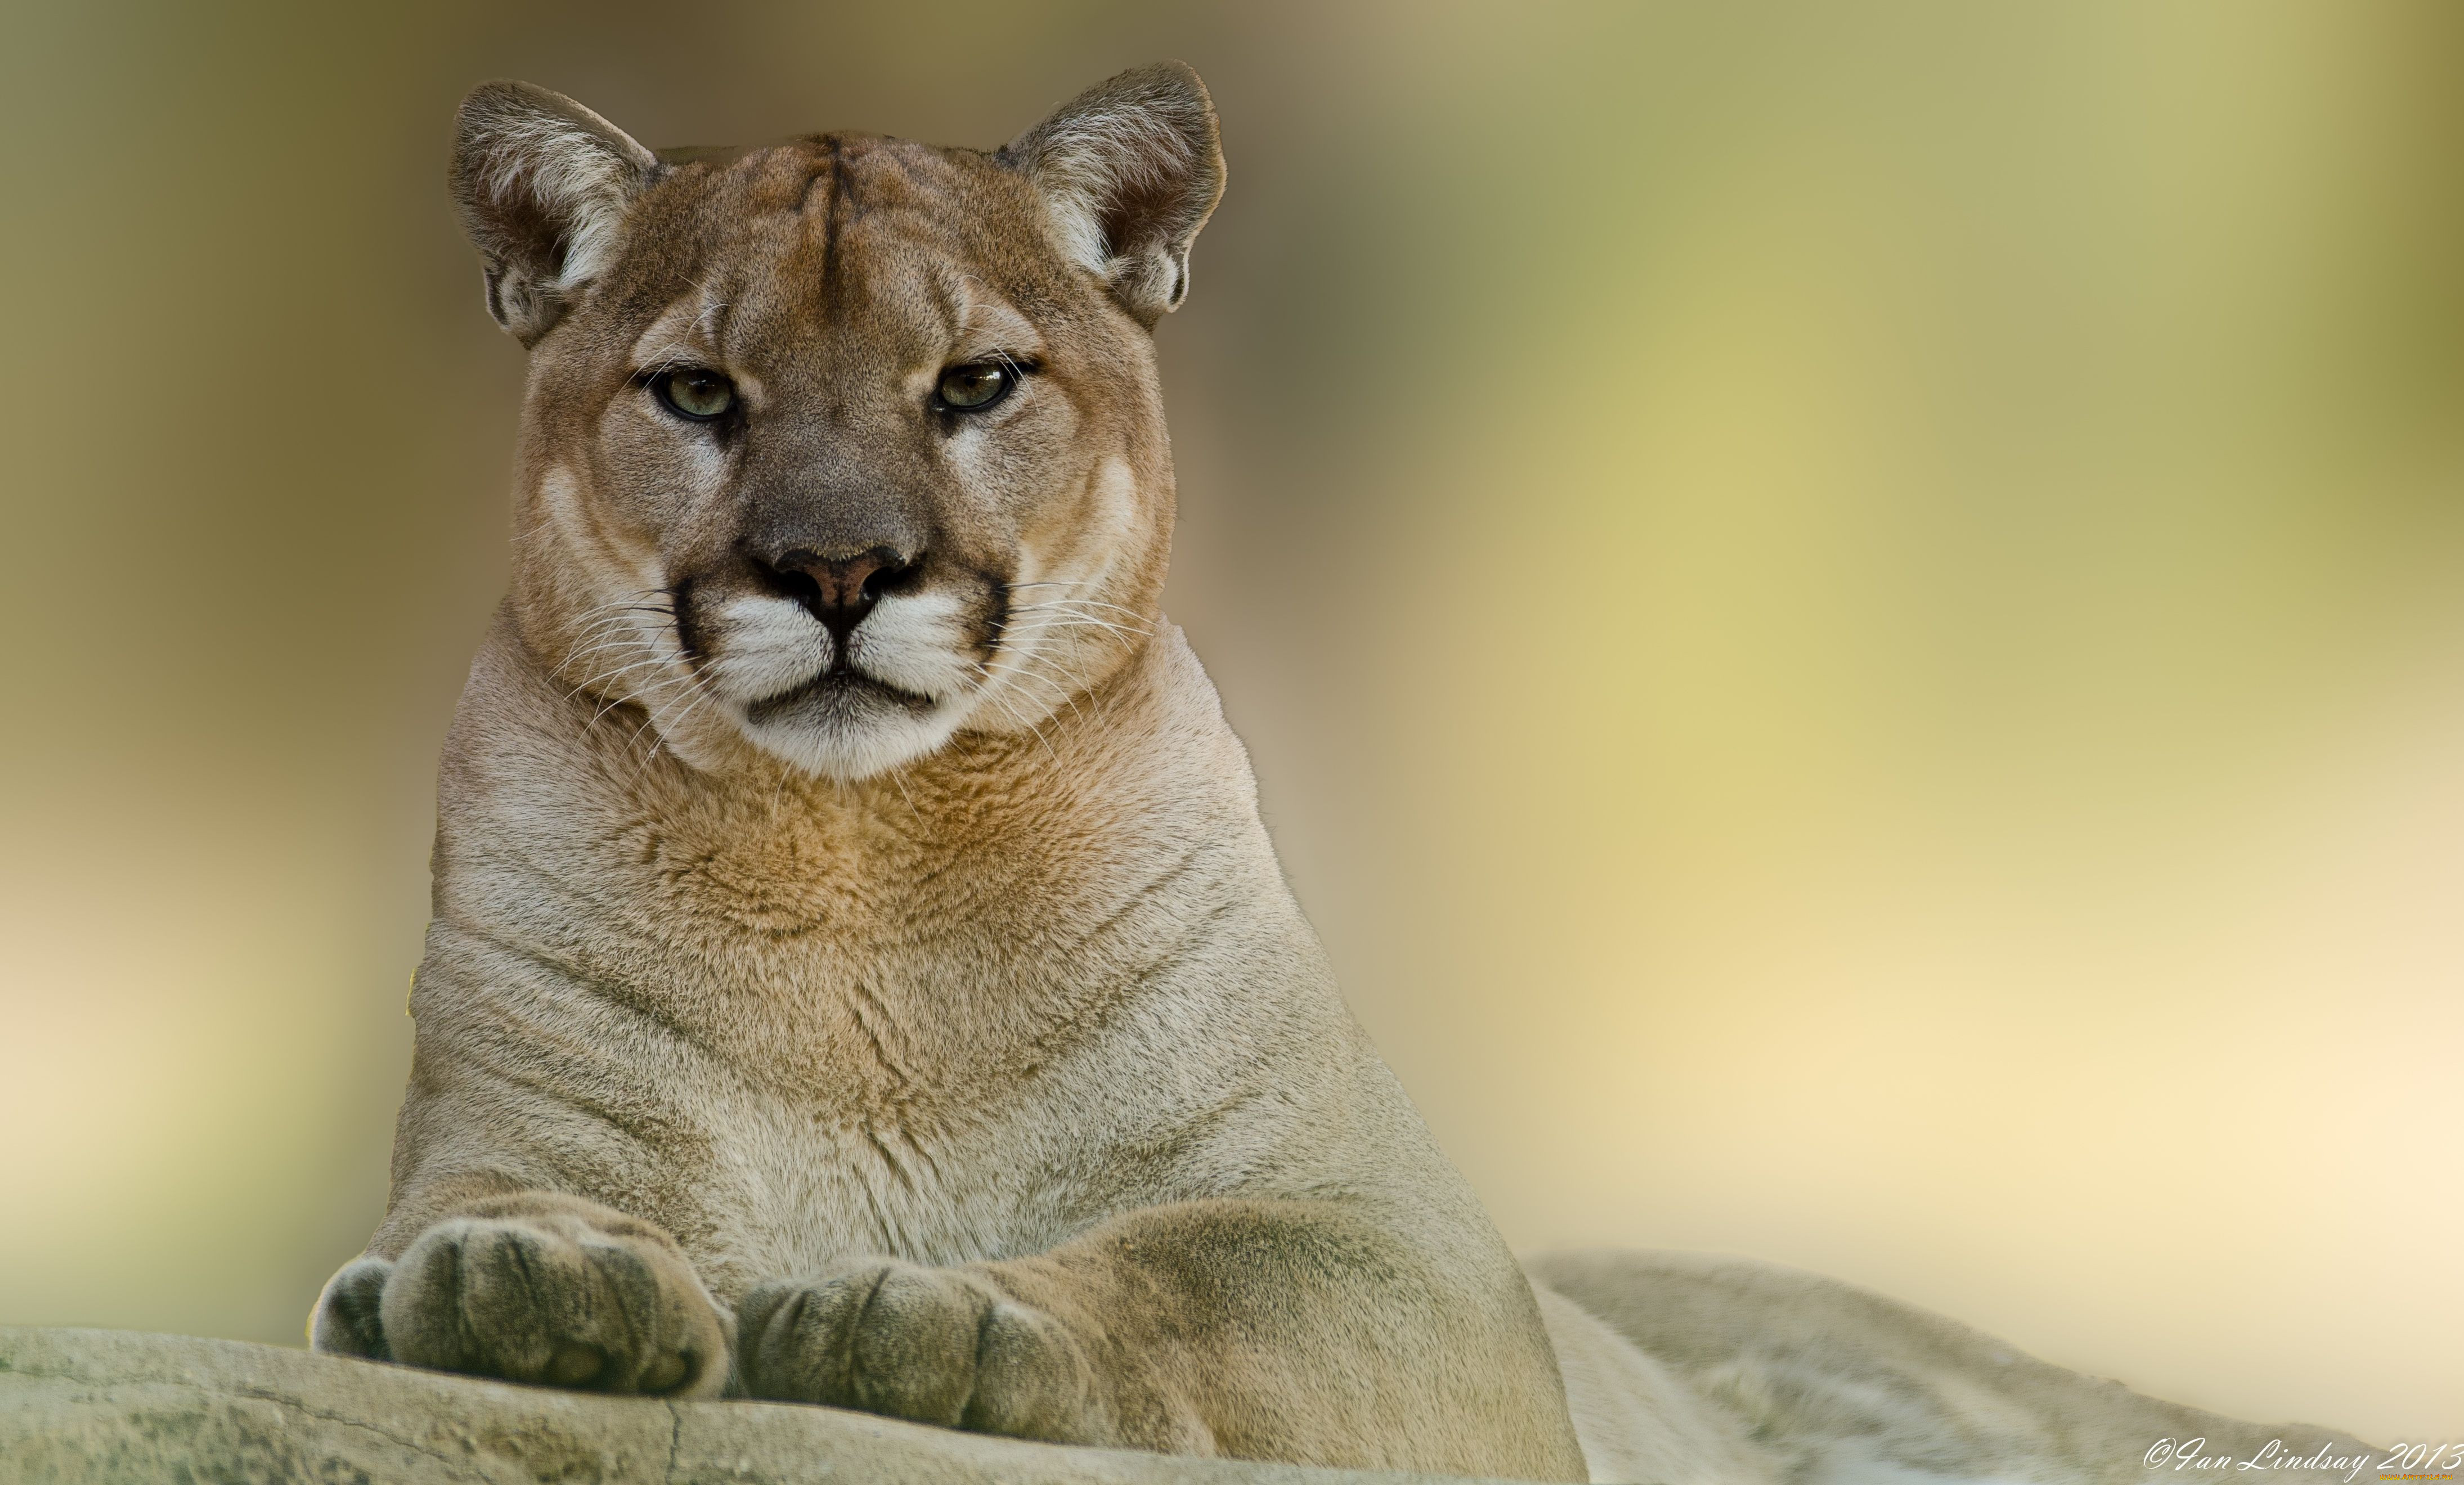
column 840, row 590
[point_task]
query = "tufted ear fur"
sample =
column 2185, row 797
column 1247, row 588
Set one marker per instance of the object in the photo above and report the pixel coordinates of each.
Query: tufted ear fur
column 542, row 184
column 1130, row 169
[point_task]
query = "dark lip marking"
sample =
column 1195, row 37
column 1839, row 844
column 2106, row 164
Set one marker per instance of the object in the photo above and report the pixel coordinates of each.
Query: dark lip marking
column 839, row 678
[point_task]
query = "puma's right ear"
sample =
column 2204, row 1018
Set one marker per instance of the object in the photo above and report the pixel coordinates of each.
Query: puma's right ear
column 542, row 184
column 1130, row 169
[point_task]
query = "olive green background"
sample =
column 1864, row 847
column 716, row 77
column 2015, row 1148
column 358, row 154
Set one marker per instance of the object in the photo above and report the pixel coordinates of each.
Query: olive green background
column 1852, row 616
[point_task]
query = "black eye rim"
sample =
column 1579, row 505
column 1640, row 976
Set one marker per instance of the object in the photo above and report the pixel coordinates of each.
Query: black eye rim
column 661, row 384
column 1011, row 370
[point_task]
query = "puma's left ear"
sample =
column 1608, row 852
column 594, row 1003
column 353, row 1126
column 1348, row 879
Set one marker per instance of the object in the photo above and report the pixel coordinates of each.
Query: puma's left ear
column 542, row 183
column 1130, row 169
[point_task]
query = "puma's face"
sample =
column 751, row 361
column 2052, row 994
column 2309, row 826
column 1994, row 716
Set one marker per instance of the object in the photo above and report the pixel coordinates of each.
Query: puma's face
column 851, row 444
column 850, row 457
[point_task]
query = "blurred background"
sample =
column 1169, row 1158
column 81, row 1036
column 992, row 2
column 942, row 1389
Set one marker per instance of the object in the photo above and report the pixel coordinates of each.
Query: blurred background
column 1851, row 615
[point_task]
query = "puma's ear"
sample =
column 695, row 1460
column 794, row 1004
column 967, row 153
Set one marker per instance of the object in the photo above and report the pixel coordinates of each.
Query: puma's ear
column 1130, row 169
column 542, row 184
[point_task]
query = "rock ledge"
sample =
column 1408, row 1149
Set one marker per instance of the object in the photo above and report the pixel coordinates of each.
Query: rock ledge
column 86, row 1406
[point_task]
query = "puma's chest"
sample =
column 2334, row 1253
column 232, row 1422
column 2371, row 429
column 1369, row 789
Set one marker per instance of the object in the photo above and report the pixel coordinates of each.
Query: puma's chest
column 790, row 1184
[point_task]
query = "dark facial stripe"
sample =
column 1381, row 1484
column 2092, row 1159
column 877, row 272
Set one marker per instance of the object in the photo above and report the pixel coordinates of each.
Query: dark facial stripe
column 679, row 603
column 995, row 623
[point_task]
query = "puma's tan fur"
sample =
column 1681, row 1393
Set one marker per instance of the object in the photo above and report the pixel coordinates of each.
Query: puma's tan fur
column 859, row 973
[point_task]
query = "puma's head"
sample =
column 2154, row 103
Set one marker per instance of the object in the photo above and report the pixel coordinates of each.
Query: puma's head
column 844, row 446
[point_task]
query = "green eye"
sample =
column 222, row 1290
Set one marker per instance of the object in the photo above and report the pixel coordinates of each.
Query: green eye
column 975, row 387
column 696, row 394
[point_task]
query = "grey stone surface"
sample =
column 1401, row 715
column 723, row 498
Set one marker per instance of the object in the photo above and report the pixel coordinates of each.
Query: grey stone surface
column 78, row 1405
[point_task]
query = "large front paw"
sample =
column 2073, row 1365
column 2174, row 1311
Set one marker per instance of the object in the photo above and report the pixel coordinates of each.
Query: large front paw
column 937, row 1345
column 547, row 1299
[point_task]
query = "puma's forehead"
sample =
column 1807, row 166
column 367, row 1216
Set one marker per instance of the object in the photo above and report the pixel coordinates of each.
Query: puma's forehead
column 823, row 228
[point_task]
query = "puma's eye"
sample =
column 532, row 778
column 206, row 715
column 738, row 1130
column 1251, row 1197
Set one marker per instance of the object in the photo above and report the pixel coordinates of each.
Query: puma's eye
column 975, row 387
column 693, row 393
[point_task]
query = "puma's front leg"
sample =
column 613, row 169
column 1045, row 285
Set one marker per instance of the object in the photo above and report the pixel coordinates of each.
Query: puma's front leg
column 535, row 1287
column 1287, row 1330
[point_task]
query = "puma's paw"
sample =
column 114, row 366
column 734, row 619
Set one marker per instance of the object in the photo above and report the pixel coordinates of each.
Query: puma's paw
column 937, row 1345
column 548, row 1299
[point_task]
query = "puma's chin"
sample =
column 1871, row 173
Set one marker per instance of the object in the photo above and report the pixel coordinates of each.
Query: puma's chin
column 848, row 726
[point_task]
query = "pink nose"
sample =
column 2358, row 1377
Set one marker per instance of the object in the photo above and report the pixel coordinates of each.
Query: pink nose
column 844, row 588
